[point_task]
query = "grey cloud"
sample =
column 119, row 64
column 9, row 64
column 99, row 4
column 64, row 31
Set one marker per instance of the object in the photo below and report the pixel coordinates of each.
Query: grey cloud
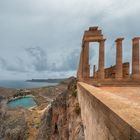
column 39, row 61
column 17, row 66
column 69, row 62
column 57, row 27
column 39, row 58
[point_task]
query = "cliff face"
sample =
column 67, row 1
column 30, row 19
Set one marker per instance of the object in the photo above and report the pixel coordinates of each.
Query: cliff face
column 13, row 125
column 62, row 119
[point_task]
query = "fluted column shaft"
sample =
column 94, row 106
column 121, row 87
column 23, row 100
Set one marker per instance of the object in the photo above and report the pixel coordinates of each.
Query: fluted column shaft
column 119, row 65
column 82, row 62
column 101, row 59
column 80, row 69
column 135, row 59
column 86, row 60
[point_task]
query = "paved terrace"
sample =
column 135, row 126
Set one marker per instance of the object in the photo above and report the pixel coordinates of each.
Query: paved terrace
column 124, row 101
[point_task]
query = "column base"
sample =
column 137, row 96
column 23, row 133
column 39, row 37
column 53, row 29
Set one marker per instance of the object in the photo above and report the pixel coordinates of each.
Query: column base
column 100, row 76
column 118, row 78
column 135, row 76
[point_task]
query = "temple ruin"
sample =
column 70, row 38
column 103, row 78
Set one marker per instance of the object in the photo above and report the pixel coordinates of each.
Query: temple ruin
column 117, row 74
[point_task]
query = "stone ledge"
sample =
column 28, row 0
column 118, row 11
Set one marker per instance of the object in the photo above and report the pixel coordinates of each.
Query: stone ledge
column 126, row 109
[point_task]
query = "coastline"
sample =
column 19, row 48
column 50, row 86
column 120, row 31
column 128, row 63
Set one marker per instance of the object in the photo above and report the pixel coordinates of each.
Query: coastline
column 22, row 84
column 47, row 80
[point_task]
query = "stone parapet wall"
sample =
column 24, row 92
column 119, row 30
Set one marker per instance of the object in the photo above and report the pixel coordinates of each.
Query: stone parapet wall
column 104, row 116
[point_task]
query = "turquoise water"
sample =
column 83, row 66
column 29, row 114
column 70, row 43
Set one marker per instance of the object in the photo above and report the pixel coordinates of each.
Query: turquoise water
column 25, row 102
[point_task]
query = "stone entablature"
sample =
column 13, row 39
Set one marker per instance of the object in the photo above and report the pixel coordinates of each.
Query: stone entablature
column 93, row 35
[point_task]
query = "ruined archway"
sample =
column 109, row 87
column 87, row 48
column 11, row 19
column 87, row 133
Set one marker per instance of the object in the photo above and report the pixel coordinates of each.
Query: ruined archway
column 92, row 35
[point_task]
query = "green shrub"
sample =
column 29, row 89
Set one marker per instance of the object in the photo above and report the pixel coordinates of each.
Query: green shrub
column 75, row 86
column 77, row 109
column 74, row 93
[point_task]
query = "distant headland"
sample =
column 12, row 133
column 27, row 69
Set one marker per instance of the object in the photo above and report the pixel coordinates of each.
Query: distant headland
column 47, row 80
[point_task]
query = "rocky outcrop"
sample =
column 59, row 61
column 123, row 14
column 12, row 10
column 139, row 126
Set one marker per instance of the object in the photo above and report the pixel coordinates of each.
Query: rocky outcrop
column 1, row 98
column 62, row 119
column 59, row 108
column 12, row 125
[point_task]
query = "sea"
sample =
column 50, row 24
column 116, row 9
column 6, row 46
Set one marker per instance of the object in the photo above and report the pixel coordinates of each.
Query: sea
column 20, row 84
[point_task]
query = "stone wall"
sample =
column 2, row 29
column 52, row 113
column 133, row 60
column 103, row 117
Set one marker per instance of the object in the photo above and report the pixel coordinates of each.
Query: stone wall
column 110, row 72
column 126, row 71
column 100, row 122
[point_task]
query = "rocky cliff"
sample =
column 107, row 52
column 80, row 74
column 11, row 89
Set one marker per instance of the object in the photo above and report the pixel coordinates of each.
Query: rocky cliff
column 62, row 119
column 57, row 116
column 13, row 125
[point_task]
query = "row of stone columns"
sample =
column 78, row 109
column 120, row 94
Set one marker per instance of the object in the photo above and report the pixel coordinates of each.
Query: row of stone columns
column 135, row 59
column 119, row 63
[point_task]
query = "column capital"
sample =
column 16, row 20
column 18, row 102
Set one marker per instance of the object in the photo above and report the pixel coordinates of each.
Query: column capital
column 119, row 39
column 104, row 39
column 101, row 40
column 136, row 39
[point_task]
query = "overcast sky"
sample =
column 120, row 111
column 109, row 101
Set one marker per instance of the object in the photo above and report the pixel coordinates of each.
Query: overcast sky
column 42, row 38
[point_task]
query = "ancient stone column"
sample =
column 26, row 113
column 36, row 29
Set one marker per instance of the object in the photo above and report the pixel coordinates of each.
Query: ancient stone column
column 135, row 58
column 119, row 65
column 101, row 59
column 86, row 60
column 82, row 62
column 80, row 69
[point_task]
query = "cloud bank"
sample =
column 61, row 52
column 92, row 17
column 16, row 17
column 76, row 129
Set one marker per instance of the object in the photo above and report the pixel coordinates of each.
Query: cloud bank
column 42, row 38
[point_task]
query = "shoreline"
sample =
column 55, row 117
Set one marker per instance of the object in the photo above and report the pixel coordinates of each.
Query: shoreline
column 16, row 85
